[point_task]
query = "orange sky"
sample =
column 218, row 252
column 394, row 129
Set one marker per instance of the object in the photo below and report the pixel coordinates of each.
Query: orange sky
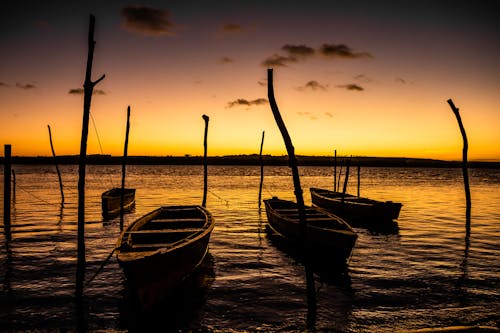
column 365, row 79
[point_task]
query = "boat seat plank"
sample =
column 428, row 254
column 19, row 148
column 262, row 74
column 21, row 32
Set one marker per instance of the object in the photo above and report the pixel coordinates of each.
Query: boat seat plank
column 162, row 231
column 185, row 220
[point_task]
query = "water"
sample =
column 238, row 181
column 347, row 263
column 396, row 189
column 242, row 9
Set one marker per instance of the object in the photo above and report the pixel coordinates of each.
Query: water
column 424, row 274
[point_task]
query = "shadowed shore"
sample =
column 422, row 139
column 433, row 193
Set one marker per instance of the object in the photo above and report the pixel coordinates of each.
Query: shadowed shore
column 252, row 159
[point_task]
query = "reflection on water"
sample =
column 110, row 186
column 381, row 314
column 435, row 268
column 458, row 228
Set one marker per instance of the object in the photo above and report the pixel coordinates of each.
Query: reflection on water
column 421, row 274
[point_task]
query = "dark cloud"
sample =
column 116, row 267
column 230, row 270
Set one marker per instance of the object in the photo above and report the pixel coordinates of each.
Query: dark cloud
column 363, row 78
column 244, row 102
column 400, row 80
column 79, row 91
column 342, row 51
column 328, row 114
column 26, row 86
column 298, row 50
column 147, row 20
column 262, row 83
column 231, row 27
column 2, row 84
column 226, row 60
column 351, row 86
column 277, row 60
column 313, row 85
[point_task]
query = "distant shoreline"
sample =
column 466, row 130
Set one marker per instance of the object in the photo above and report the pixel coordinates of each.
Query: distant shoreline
column 251, row 160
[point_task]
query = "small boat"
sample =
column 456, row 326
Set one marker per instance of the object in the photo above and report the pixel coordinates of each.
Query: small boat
column 358, row 211
column 162, row 248
column 329, row 234
column 111, row 201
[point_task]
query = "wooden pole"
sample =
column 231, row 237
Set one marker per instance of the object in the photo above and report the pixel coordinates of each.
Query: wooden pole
column 88, row 87
column 124, row 163
column 57, row 167
column 261, row 168
column 13, row 186
column 6, row 191
column 346, row 178
column 338, row 178
column 205, row 167
column 311, row 293
column 359, row 177
column 335, row 171
column 464, row 164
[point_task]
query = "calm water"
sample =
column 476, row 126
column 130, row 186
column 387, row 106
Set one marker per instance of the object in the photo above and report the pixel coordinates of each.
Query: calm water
column 426, row 273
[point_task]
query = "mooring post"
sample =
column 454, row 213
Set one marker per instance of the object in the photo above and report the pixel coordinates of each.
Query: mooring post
column 359, row 170
column 346, row 179
column 13, row 186
column 335, row 171
column 88, row 87
column 57, row 167
column 124, row 163
column 311, row 292
column 464, row 164
column 6, row 191
column 261, row 168
column 205, row 162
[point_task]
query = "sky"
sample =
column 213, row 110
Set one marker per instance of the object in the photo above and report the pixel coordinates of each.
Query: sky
column 364, row 78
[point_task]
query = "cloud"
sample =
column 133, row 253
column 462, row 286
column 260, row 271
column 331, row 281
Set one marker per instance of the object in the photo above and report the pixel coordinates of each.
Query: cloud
column 363, row 78
column 147, row 20
column 3, row 84
column 307, row 114
column 313, row 85
column 231, row 28
column 342, row 51
column 298, row 50
column 328, row 114
column 26, row 86
column 79, row 91
column 244, row 102
column 401, row 80
column 277, row 60
column 351, row 86
column 226, row 60
column 262, row 83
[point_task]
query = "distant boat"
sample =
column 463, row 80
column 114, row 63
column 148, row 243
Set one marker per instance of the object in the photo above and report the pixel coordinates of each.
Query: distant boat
column 160, row 249
column 329, row 235
column 357, row 211
column 111, row 201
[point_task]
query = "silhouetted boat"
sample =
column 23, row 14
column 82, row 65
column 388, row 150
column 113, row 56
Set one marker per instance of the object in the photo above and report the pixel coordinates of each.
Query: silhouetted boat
column 111, row 201
column 159, row 250
column 326, row 233
column 355, row 210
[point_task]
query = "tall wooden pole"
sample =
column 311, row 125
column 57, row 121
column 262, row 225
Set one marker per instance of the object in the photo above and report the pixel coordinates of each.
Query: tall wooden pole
column 124, row 163
column 311, row 293
column 335, row 171
column 13, row 186
column 261, row 168
column 57, row 167
column 205, row 162
column 359, row 177
column 346, row 178
column 6, row 190
column 464, row 164
column 88, row 87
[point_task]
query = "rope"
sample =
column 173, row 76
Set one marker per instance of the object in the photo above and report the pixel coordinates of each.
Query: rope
column 100, row 268
column 227, row 202
column 38, row 198
column 100, row 145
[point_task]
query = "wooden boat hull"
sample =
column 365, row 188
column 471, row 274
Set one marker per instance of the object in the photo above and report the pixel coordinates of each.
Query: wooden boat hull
column 111, row 201
column 326, row 234
column 355, row 210
column 155, row 260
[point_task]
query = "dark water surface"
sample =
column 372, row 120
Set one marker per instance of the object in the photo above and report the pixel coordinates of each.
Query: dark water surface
column 425, row 273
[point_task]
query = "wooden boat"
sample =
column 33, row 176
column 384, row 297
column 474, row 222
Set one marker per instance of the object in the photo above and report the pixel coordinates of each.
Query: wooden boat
column 355, row 210
column 111, row 201
column 326, row 233
column 159, row 250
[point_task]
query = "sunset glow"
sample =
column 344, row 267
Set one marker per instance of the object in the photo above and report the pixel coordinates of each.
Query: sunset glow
column 370, row 79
